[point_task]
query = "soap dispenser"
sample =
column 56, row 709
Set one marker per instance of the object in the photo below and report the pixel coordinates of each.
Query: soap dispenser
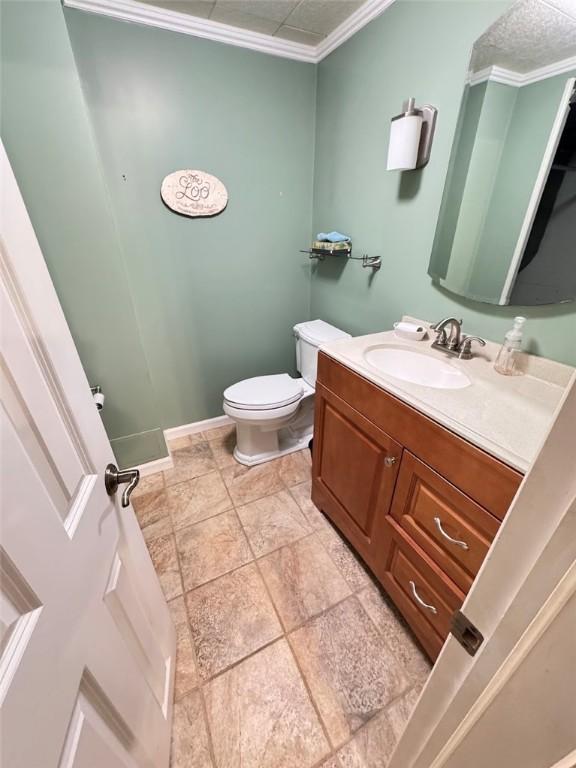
column 508, row 360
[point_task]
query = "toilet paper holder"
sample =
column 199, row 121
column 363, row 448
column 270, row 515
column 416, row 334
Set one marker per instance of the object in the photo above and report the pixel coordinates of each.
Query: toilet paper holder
column 98, row 397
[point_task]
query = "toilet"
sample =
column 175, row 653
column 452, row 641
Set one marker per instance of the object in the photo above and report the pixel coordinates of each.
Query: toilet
column 274, row 415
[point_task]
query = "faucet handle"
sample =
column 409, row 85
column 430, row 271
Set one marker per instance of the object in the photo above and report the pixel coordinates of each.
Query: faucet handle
column 466, row 347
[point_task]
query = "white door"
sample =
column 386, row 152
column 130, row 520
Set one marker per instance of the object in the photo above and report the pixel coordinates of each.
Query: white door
column 87, row 645
column 513, row 704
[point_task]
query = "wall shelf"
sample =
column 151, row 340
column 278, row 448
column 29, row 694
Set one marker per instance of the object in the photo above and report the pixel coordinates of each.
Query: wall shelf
column 372, row 262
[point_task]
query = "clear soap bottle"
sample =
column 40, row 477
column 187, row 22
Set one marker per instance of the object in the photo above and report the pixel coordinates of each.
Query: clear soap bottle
column 508, row 360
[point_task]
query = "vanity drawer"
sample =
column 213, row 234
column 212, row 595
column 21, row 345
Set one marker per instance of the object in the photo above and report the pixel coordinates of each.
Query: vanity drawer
column 490, row 482
column 424, row 595
column 451, row 528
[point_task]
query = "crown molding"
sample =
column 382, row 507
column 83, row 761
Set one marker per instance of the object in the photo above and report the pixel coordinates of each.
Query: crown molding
column 175, row 21
column 366, row 13
column 517, row 79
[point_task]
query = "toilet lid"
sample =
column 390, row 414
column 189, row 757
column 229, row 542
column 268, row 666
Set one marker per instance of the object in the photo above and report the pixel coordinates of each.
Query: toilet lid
column 264, row 392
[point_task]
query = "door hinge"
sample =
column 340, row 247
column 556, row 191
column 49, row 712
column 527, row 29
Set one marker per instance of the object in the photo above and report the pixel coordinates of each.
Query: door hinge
column 469, row 636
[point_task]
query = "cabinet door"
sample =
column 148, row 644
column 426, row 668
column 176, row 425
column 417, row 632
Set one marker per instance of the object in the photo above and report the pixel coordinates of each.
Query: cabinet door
column 354, row 472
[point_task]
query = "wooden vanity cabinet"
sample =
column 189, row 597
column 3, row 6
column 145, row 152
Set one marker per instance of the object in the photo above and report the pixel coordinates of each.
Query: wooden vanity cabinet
column 419, row 504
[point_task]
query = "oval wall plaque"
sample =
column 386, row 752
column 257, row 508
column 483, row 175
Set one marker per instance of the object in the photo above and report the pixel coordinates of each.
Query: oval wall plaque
column 194, row 193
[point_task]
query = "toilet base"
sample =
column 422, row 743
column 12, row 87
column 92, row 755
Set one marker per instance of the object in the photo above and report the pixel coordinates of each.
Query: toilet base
column 285, row 443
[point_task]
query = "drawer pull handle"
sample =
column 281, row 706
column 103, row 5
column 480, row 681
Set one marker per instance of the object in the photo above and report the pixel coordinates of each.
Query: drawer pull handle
column 418, row 599
column 442, row 532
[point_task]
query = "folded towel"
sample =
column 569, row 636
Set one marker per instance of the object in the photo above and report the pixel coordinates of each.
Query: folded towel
column 332, row 237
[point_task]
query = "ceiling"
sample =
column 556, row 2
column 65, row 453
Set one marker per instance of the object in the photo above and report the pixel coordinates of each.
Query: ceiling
column 532, row 34
column 306, row 22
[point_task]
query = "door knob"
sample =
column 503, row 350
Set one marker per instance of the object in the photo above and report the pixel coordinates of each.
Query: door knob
column 389, row 461
column 113, row 478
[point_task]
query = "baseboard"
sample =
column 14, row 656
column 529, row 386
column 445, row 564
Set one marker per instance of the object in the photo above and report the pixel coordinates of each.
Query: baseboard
column 166, row 462
column 158, row 465
column 196, row 426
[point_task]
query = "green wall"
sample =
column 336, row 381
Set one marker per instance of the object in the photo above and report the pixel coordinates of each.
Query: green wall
column 49, row 140
column 167, row 311
column 215, row 298
column 416, row 49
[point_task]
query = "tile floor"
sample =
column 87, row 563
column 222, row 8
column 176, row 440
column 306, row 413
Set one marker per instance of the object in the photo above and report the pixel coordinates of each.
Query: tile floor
column 288, row 654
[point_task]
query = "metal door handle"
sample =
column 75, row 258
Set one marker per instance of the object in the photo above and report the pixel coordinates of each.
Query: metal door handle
column 113, row 478
column 389, row 461
column 449, row 538
column 418, row 599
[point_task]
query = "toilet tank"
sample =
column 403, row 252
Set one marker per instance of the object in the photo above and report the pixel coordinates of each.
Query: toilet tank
column 309, row 337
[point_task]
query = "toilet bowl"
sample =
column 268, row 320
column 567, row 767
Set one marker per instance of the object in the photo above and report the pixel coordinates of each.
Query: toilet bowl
column 274, row 415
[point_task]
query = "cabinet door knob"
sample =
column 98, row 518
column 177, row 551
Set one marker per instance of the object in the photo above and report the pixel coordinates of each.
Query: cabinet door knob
column 389, row 461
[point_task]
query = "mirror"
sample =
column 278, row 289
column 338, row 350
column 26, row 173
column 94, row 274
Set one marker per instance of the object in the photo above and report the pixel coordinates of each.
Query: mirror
column 506, row 232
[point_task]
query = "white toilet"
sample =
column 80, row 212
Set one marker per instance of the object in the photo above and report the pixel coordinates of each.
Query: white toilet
column 274, row 415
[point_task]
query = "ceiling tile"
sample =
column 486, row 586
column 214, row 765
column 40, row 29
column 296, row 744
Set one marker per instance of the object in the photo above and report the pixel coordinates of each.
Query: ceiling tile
column 322, row 16
column 200, row 8
column 299, row 35
column 235, row 16
column 275, row 10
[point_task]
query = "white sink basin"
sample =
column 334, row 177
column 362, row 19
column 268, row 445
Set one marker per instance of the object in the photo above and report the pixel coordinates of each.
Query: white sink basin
column 415, row 367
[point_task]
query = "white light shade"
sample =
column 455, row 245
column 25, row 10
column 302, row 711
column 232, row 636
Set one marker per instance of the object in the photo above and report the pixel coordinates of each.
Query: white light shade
column 404, row 142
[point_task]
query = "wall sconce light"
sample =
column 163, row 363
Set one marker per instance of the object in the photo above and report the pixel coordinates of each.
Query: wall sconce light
column 411, row 135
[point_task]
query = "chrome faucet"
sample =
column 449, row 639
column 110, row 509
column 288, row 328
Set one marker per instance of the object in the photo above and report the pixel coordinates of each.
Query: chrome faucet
column 451, row 341
column 455, row 342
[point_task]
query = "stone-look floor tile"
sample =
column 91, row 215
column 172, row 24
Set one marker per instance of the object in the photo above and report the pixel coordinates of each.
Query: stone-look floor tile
column 186, row 673
column 223, row 449
column 151, row 506
column 163, row 553
column 220, row 433
column 189, row 462
column 373, row 745
column 396, row 634
column 247, row 484
column 230, row 618
column 260, row 714
column 273, row 522
column 211, row 548
column 345, row 559
column 197, row 499
column 185, row 442
column 190, row 745
column 350, row 671
column 301, row 493
column 162, row 527
column 302, row 580
column 332, row 762
column 294, row 468
column 147, row 483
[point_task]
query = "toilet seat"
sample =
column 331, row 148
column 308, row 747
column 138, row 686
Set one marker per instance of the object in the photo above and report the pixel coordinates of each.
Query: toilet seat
column 264, row 392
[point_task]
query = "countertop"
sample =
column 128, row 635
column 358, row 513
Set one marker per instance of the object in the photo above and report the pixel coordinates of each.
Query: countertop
column 507, row 416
